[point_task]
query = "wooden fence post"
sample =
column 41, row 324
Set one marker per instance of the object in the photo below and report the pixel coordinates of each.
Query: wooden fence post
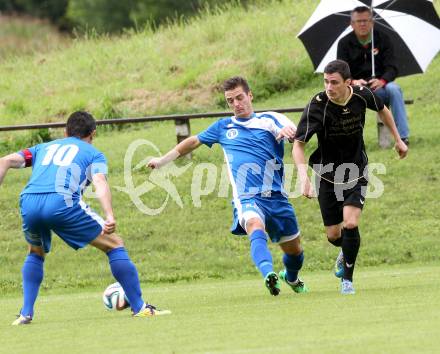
column 383, row 135
column 183, row 131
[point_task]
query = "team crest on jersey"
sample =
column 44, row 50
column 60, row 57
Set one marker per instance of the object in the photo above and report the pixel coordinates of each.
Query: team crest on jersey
column 232, row 133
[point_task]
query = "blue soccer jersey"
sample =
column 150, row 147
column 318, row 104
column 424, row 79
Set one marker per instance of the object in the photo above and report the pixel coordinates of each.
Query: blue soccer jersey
column 51, row 201
column 253, row 155
column 63, row 166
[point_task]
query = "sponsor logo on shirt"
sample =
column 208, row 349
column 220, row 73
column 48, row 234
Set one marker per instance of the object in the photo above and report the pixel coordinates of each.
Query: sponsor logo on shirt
column 232, row 133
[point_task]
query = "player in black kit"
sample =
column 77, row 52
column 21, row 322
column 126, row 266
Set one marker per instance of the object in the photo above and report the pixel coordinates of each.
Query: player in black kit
column 337, row 117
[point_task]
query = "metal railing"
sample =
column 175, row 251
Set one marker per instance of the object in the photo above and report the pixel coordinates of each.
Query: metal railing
column 182, row 122
column 175, row 117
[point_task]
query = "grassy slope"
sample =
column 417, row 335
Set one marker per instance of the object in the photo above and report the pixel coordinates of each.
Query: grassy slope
column 394, row 311
column 402, row 226
column 22, row 36
column 175, row 70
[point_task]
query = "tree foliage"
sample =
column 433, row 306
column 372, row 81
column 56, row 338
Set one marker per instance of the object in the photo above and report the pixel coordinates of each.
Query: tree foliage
column 101, row 15
column 54, row 10
column 108, row 16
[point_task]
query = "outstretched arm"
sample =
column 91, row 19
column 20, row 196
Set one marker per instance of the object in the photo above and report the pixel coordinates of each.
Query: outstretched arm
column 387, row 119
column 103, row 192
column 287, row 132
column 300, row 162
column 10, row 161
column 181, row 149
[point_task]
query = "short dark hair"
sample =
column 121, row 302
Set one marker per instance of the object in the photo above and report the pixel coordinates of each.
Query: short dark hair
column 361, row 9
column 80, row 124
column 235, row 82
column 338, row 66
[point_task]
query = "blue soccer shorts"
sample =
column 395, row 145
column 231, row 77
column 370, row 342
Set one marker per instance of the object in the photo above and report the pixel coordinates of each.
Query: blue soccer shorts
column 276, row 213
column 75, row 223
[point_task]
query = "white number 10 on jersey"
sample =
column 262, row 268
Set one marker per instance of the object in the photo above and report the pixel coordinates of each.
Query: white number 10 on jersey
column 60, row 155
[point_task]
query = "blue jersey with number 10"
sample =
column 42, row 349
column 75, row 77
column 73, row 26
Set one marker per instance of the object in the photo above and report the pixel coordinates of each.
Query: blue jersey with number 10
column 63, row 166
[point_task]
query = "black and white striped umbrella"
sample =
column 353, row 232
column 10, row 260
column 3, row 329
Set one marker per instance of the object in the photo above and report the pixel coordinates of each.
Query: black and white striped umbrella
column 412, row 25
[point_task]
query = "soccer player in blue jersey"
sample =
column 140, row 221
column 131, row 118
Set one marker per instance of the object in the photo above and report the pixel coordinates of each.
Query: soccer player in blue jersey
column 337, row 117
column 51, row 201
column 253, row 147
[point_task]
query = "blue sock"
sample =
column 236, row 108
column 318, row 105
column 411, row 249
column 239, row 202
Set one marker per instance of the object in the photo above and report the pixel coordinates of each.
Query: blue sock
column 260, row 252
column 126, row 274
column 293, row 264
column 32, row 272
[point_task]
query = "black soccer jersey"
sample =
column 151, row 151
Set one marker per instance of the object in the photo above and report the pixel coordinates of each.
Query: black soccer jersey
column 339, row 129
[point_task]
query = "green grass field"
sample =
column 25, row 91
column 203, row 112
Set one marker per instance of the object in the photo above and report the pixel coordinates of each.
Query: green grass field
column 189, row 243
column 186, row 257
column 395, row 310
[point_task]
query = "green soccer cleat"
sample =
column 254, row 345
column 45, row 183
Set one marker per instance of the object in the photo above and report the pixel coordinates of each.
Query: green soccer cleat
column 22, row 320
column 298, row 286
column 339, row 265
column 347, row 287
column 272, row 283
column 151, row 311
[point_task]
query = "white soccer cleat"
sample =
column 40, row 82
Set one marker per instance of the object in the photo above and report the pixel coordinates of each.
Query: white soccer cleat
column 347, row 287
column 22, row 320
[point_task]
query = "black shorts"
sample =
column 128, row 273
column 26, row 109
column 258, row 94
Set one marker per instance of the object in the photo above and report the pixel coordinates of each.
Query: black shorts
column 333, row 197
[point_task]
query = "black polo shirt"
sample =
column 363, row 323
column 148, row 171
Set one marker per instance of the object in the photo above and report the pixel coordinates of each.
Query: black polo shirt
column 339, row 129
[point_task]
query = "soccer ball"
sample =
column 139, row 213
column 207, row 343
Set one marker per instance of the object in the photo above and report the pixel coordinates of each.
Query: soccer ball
column 114, row 298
